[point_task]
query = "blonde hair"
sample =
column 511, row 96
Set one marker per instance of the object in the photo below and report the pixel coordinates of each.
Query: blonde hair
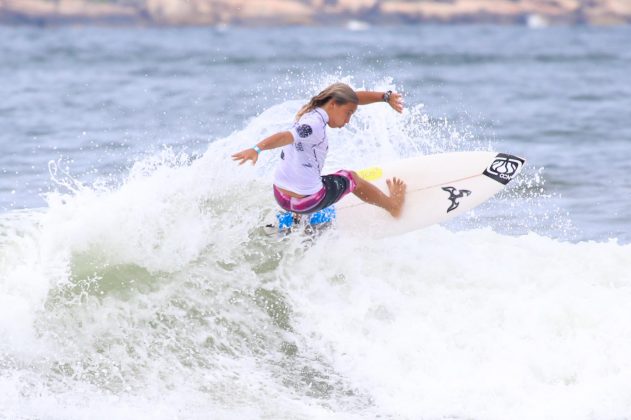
column 341, row 93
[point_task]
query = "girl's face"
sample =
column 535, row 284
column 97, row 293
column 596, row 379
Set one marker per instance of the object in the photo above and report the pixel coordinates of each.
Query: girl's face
column 340, row 115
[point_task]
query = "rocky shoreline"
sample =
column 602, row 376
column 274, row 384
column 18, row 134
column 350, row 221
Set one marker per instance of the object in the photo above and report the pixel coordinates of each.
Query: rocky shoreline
column 312, row 12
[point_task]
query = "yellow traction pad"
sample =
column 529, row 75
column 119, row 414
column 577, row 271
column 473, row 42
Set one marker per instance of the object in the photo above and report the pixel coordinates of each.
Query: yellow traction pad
column 371, row 174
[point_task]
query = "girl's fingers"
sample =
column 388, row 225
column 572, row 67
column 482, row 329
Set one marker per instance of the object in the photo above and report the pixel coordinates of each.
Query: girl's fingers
column 396, row 102
column 244, row 156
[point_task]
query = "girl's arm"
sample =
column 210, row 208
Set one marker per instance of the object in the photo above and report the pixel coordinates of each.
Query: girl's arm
column 272, row 142
column 394, row 99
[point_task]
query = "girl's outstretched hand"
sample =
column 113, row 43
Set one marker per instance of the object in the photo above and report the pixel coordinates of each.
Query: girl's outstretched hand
column 396, row 102
column 245, row 155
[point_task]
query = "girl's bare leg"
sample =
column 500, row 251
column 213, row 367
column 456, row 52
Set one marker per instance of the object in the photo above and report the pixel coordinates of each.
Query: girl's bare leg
column 371, row 194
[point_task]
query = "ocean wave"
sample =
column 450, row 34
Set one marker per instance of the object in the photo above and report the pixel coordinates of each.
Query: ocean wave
column 162, row 297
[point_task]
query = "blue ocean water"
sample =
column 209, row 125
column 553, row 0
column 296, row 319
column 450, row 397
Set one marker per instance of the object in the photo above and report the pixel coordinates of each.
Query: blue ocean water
column 100, row 99
column 135, row 281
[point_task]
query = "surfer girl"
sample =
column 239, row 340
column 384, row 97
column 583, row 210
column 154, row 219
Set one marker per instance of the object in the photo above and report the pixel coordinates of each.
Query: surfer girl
column 299, row 186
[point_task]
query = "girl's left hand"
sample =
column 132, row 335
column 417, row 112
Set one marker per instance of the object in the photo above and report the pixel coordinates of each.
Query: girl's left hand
column 396, row 102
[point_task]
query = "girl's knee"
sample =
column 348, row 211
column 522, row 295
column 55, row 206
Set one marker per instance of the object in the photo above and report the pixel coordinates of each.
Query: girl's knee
column 357, row 178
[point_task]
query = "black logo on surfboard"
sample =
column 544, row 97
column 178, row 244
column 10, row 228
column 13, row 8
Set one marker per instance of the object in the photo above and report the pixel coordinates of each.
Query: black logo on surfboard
column 454, row 195
column 504, row 168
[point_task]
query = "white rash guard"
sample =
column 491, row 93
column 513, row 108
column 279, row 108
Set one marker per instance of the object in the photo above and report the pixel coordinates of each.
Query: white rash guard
column 301, row 162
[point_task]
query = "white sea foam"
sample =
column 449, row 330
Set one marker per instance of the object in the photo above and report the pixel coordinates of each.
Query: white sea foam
column 472, row 324
column 163, row 298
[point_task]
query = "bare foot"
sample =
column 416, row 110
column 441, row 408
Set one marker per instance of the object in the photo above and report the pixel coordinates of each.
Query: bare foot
column 397, row 196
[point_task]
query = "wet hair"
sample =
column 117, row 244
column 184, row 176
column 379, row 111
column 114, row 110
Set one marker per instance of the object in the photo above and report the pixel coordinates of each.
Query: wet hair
column 341, row 93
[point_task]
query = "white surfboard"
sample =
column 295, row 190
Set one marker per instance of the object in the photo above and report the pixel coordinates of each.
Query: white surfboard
column 439, row 187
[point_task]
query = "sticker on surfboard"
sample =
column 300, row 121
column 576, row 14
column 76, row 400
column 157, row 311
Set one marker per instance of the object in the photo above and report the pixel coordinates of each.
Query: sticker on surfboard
column 504, row 168
column 454, row 197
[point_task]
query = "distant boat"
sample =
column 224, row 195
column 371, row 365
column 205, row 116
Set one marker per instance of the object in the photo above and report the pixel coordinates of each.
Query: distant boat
column 536, row 21
column 357, row 25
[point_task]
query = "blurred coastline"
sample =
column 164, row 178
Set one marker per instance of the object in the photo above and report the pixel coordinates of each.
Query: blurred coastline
column 312, row 12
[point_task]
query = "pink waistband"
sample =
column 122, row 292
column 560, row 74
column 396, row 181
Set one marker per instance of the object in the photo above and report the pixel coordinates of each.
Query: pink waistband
column 303, row 204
